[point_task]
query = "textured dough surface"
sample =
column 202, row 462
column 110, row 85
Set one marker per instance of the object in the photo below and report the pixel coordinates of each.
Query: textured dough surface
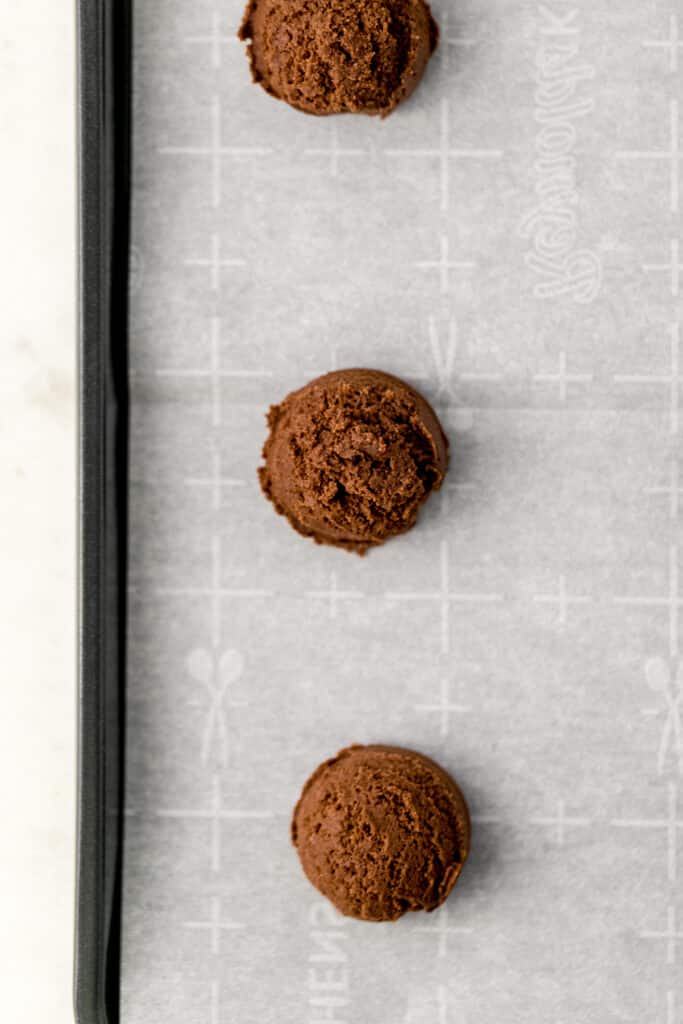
column 339, row 56
column 381, row 830
column 351, row 457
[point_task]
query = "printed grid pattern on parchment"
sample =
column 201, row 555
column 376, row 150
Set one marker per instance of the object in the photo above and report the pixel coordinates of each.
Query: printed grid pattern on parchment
column 509, row 241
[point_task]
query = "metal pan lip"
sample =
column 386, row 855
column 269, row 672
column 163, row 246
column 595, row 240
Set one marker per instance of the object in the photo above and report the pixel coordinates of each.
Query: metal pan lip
column 104, row 28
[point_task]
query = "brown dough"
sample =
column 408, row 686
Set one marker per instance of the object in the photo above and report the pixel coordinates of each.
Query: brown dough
column 381, row 830
column 339, row 56
column 352, row 456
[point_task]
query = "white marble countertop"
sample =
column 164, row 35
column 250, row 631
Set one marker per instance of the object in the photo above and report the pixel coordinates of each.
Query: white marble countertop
column 38, row 522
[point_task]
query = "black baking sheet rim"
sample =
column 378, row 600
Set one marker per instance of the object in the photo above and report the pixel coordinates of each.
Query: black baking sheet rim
column 104, row 66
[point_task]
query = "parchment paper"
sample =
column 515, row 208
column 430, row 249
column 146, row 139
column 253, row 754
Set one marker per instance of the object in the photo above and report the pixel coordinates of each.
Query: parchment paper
column 509, row 242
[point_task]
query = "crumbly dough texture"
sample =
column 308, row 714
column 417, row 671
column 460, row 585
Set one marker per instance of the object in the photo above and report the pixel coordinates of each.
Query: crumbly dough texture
column 351, row 457
column 339, row 56
column 381, row 830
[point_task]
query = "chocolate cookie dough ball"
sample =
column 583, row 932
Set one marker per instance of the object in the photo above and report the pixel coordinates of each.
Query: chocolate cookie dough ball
column 352, row 456
column 381, row 830
column 338, row 56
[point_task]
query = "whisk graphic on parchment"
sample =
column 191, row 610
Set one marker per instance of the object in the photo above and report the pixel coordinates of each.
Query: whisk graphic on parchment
column 216, row 675
column 661, row 680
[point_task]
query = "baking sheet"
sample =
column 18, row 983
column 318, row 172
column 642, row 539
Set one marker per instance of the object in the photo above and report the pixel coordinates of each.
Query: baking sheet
column 509, row 242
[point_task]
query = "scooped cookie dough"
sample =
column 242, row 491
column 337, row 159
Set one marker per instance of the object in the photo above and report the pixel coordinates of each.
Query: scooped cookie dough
column 352, row 456
column 339, row 56
column 380, row 831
